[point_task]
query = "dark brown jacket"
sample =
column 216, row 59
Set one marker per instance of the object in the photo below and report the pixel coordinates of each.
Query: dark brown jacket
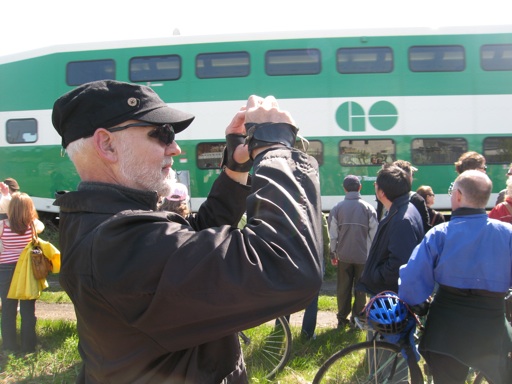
column 159, row 299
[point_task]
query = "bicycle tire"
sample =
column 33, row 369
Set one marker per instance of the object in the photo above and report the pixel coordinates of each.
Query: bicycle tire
column 355, row 365
column 480, row 379
column 267, row 347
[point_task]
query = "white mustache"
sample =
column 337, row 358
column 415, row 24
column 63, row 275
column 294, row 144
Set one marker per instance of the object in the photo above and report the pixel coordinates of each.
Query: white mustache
column 168, row 163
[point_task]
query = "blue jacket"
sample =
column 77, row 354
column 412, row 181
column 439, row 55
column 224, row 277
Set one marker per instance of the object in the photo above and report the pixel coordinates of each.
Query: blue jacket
column 470, row 257
column 470, row 251
column 397, row 235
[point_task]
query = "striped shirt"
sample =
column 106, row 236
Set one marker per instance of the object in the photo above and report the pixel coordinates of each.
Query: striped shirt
column 13, row 244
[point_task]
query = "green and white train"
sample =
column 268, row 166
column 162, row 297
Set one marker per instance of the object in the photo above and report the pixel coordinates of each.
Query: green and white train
column 361, row 98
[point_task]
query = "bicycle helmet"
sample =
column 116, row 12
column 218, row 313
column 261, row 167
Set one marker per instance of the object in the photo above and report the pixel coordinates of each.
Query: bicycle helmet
column 387, row 314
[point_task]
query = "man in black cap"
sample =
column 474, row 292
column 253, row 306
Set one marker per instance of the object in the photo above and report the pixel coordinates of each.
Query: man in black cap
column 159, row 298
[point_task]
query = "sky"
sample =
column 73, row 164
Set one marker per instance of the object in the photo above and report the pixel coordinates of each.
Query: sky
column 32, row 24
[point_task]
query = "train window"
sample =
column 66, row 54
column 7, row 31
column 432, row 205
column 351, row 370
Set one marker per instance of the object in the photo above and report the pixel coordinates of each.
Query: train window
column 314, row 148
column 498, row 149
column 366, row 152
column 365, row 60
column 441, row 150
column 155, row 68
column 292, row 62
column 20, row 131
column 438, row 58
column 496, row 57
column 225, row 64
column 209, row 155
column 80, row 72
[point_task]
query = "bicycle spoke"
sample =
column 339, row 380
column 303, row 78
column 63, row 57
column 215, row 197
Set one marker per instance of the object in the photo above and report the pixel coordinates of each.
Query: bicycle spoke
column 266, row 348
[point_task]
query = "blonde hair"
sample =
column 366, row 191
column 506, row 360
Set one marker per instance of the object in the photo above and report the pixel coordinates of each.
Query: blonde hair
column 509, row 187
column 21, row 212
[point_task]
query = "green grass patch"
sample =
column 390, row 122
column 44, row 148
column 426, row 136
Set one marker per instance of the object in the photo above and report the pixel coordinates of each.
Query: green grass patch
column 327, row 303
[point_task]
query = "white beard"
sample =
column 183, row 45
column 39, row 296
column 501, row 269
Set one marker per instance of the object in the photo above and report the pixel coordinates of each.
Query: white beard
column 145, row 178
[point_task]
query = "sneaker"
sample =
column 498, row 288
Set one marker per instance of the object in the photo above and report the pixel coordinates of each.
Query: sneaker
column 306, row 336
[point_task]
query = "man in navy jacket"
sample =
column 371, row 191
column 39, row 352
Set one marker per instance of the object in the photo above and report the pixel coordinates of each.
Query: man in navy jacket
column 397, row 235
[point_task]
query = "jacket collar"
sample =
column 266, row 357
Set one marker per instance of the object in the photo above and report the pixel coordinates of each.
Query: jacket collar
column 464, row 211
column 399, row 201
column 106, row 198
column 353, row 195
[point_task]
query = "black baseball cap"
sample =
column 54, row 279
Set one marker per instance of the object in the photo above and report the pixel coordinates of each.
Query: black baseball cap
column 107, row 103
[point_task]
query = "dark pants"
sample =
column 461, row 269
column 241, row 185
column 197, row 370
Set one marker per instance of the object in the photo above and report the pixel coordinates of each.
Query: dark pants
column 309, row 319
column 347, row 276
column 9, row 313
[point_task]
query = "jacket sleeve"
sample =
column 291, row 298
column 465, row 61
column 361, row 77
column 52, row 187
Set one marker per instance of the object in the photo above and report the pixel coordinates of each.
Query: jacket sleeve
column 416, row 282
column 373, row 224
column 333, row 230
column 326, row 237
column 217, row 209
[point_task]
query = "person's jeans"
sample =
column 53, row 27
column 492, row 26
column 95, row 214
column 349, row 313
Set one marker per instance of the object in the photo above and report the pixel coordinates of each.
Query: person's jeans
column 309, row 319
column 9, row 313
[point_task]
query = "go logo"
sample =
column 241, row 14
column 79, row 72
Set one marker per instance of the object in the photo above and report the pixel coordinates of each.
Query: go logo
column 351, row 117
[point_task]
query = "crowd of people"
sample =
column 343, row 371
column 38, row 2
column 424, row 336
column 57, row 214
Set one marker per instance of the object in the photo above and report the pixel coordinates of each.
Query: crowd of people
column 460, row 270
column 160, row 291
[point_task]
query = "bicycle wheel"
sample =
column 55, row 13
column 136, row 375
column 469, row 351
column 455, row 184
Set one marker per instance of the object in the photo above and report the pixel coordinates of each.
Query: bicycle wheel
column 267, row 347
column 366, row 362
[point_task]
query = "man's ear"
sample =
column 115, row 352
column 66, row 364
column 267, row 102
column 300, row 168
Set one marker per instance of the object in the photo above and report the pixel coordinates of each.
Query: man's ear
column 104, row 145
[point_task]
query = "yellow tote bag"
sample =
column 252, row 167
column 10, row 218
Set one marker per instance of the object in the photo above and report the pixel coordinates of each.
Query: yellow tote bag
column 24, row 285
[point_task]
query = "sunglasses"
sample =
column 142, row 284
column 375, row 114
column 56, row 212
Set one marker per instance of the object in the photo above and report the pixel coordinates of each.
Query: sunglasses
column 162, row 132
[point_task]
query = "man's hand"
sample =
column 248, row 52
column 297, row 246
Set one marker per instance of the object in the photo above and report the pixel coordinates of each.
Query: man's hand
column 237, row 126
column 257, row 110
column 266, row 110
